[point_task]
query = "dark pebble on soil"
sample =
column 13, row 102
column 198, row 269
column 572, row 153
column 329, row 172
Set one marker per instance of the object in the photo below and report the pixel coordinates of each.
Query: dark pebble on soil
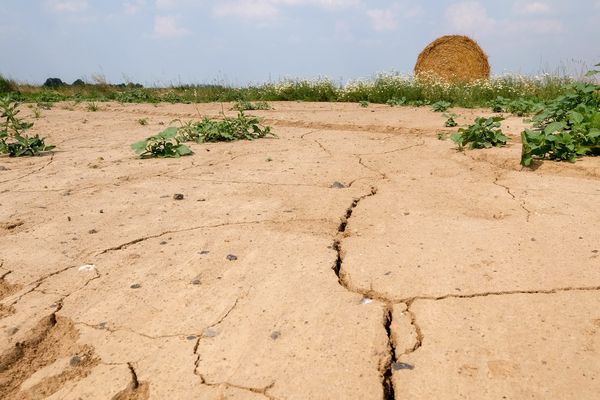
column 196, row 281
column 232, row 257
column 191, row 337
column 337, row 185
column 178, row 196
column 12, row 331
column 92, row 231
column 275, row 335
column 75, row 361
column 203, row 252
column 135, row 286
column 397, row 366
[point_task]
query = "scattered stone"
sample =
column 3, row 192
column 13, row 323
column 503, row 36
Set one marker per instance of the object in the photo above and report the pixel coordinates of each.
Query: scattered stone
column 178, row 196
column 397, row 366
column 595, row 251
column 92, row 231
column 86, row 268
column 337, row 185
column 3, row 168
column 204, row 252
column 102, row 325
column 210, row 332
column 135, row 286
column 12, row 331
column 232, row 257
column 275, row 335
column 69, row 219
column 202, row 199
column 101, row 211
column 163, row 243
column 191, row 337
column 196, row 281
column 75, row 361
column 366, row 300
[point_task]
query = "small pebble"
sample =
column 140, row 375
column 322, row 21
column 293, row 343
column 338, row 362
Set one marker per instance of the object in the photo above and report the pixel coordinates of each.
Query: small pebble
column 12, row 331
column 163, row 243
column 275, row 335
column 397, row 366
column 178, row 196
column 191, row 337
column 101, row 211
column 337, row 185
column 75, row 361
column 92, row 231
column 196, row 281
column 203, row 252
column 366, row 300
column 135, row 286
column 209, row 332
column 232, row 257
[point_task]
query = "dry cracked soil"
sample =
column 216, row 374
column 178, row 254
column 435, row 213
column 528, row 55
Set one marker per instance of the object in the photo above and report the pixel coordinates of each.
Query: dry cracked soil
column 355, row 256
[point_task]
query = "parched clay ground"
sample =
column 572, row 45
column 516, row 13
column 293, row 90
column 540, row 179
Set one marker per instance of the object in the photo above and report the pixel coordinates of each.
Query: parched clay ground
column 356, row 256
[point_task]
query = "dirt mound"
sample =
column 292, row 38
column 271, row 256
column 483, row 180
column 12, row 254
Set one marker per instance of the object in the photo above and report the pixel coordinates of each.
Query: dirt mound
column 454, row 58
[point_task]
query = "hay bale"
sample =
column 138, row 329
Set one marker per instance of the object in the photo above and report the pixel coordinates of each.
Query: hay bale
column 453, row 58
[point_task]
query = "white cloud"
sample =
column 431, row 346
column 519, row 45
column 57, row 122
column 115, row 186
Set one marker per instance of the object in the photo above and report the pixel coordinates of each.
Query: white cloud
column 267, row 9
column 388, row 19
column 260, row 9
column 469, row 17
column 531, row 7
column 166, row 26
column 133, row 6
column 383, row 20
column 67, row 5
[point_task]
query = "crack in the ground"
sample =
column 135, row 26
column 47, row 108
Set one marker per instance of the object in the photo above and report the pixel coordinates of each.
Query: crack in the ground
column 390, row 361
column 514, row 197
column 388, row 384
column 174, row 231
column 31, row 172
column 410, row 300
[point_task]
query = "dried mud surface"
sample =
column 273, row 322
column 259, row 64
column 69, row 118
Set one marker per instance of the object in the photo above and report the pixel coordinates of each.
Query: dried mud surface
column 356, row 256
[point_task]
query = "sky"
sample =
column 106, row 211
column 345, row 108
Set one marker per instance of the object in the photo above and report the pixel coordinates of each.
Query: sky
column 240, row 42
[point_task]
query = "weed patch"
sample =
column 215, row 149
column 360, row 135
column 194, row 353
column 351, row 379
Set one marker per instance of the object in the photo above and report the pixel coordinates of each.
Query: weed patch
column 13, row 141
column 483, row 134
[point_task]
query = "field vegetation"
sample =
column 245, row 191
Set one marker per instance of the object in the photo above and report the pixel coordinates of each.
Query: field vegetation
column 502, row 92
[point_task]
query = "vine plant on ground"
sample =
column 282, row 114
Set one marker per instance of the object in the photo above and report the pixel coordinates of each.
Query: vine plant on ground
column 484, row 133
column 13, row 141
column 169, row 143
column 567, row 128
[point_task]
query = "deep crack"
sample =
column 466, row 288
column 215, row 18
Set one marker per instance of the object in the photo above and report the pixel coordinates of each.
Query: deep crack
column 388, row 384
column 386, row 375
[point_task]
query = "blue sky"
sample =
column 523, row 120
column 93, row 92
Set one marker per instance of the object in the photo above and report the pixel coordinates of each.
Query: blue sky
column 251, row 41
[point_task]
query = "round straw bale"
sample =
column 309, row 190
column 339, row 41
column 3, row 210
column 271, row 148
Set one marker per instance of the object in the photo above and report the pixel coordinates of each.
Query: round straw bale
column 453, row 58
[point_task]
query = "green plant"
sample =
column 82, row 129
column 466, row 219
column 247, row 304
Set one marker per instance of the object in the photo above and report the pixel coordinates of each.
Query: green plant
column 440, row 106
column 394, row 101
column 143, row 121
column 230, row 129
column 166, row 144
column 484, row 133
column 12, row 139
column 450, row 121
column 92, row 106
column 567, row 128
column 363, row 103
column 243, row 105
